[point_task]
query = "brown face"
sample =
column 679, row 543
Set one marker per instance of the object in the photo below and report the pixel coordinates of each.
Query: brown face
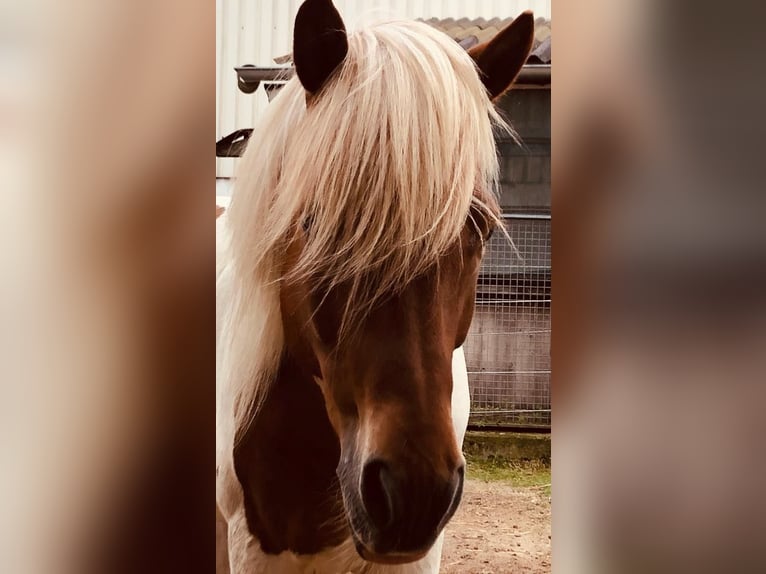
column 388, row 389
column 388, row 386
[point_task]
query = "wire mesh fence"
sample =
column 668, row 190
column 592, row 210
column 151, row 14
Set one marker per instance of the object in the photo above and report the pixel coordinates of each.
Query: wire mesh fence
column 508, row 347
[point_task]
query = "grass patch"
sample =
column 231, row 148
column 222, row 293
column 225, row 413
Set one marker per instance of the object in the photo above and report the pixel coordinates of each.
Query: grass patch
column 519, row 473
column 508, row 446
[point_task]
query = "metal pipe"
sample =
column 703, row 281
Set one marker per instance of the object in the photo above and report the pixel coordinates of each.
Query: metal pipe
column 548, row 372
column 526, row 216
column 490, row 412
column 512, row 427
column 510, row 301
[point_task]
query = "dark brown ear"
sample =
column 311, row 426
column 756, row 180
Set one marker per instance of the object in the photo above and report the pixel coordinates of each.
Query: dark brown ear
column 319, row 43
column 500, row 59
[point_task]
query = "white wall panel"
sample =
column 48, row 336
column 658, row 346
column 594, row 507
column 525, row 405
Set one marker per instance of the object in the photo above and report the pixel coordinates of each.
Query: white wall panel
column 257, row 31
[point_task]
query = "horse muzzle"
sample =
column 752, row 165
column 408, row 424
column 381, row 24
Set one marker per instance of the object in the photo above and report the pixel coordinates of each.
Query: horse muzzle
column 403, row 514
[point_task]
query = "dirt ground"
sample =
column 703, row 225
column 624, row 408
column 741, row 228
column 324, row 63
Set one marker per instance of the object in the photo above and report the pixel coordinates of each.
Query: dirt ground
column 499, row 529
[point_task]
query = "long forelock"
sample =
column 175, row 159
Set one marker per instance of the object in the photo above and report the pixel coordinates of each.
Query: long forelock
column 378, row 169
column 383, row 162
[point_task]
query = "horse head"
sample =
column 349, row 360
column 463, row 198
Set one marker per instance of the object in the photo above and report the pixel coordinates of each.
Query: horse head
column 377, row 320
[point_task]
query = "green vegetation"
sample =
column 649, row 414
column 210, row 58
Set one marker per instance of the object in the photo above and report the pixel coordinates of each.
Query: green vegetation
column 533, row 473
column 481, row 445
column 520, row 460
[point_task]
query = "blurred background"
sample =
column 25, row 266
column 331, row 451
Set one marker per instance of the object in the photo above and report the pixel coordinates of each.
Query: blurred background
column 658, row 313
column 107, row 112
column 107, row 307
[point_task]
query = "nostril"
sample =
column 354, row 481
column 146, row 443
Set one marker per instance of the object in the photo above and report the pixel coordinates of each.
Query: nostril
column 376, row 493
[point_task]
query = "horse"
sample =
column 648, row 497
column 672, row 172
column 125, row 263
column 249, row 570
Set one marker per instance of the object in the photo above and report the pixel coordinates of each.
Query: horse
column 346, row 275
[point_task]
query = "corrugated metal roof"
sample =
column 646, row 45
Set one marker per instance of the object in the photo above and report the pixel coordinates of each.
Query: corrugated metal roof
column 470, row 32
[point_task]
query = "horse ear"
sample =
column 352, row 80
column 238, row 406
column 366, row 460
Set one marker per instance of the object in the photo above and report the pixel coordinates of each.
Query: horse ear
column 319, row 43
column 500, row 59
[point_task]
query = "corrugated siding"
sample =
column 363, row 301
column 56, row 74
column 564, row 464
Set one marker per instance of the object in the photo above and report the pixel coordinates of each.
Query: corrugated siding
column 256, row 31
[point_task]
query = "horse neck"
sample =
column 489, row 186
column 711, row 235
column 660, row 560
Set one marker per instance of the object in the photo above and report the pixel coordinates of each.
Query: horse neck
column 286, row 463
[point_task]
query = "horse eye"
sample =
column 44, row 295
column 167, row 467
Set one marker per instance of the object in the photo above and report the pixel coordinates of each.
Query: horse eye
column 306, row 224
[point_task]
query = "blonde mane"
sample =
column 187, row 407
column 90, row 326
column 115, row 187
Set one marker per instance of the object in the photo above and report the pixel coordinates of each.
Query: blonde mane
column 381, row 167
